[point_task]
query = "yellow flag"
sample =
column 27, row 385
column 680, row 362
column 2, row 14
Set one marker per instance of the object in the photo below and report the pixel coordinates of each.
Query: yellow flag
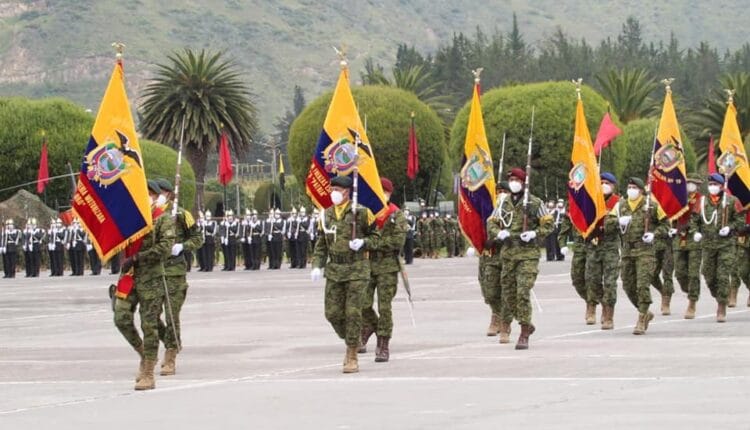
column 733, row 160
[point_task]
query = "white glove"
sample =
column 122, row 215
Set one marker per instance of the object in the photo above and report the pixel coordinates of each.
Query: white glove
column 67, row 246
column 270, row 236
column 625, row 220
column 316, row 274
column 528, row 236
column 672, row 232
column 2, row 250
column 503, row 234
column 50, row 246
column 89, row 247
column 356, row 244
column 724, row 232
column 243, row 240
column 471, row 251
column 697, row 237
column 177, row 249
column 564, row 250
column 224, row 241
column 249, row 239
column 648, row 237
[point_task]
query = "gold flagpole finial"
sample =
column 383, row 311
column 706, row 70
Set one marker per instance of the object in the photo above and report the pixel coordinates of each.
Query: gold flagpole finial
column 578, row 82
column 477, row 73
column 668, row 84
column 119, row 47
column 412, row 114
column 342, row 56
column 730, row 95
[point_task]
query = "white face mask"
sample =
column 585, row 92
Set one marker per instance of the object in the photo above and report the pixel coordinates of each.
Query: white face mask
column 714, row 189
column 337, row 197
column 161, row 200
column 515, row 187
column 691, row 187
column 633, row 193
column 607, row 189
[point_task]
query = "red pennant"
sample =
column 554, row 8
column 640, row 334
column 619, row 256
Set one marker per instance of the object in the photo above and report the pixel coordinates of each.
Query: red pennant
column 43, row 177
column 412, row 167
column 711, row 156
column 607, row 132
column 225, row 161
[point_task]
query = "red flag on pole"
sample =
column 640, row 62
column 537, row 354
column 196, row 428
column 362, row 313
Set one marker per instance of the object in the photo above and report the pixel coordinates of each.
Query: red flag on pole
column 43, row 175
column 412, row 167
column 606, row 134
column 225, row 160
column 711, row 155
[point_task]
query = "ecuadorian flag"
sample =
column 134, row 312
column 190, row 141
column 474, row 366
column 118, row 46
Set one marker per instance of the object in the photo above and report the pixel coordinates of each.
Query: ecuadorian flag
column 733, row 159
column 477, row 187
column 668, row 179
column 337, row 155
column 585, row 197
column 111, row 198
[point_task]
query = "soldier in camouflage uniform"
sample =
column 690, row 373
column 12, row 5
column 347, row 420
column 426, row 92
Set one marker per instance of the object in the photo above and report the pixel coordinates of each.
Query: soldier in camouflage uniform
column 528, row 225
column 686, row 251
column 719, row 224
column 638, row 227
column 492, row 265
column 384, row 268
column 603, row 260
column 438, row 234
column 664, row 265
column 570, row 240
column 450, row 235
column 188, row 238
column 742, row 268
column 343, row 255
column 425, row 234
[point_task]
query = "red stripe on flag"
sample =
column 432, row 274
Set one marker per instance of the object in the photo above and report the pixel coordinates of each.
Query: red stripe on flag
column 318, row 186
column 471, row 223
column 103, row 227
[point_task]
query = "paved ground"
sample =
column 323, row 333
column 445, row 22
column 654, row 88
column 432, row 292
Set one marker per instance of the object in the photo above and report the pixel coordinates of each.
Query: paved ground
column 259, row 354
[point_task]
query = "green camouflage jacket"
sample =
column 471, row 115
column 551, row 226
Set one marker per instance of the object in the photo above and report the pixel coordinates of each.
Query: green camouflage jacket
column 632, row 235
column 713, row 216
column 155, row 250
column 189, row 235
column 539, row 220
column 384, row 253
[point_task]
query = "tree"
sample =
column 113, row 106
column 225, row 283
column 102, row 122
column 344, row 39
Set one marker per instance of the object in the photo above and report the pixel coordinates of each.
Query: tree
column 388, row 118
column 207, row 91
column 508, row 110
column 628, row 92
column 283, row 123
column 638, row 137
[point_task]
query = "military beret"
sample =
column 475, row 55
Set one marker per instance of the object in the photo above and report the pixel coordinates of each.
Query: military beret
column 609, row 177
column 341, row 181
column 518, row 173
column 165, row 185
column 694, row 178
column 387, row 185
column 716, row 177
column 153, row 186
column 638, row 182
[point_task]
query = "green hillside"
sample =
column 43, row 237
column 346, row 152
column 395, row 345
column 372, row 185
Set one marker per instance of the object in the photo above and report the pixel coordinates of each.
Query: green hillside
column 62, row 47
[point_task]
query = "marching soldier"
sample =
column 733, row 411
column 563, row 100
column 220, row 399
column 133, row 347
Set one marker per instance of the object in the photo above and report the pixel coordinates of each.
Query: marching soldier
column 304, row 227
column 491, row 265
column 187, row 238
column 437, row 233
column 570, row 240
column 686, row 250
column 343, row 254
column 147, row 260
column 77, row 246
column 450, row 235
column 425, row 234
column 291, row 226
column 411, row 232
column 58, row 238
column 245, row 239
column 12, row 238
column 384, row 268
column 743, row 258
column 230, row 231
column 638, row 224
column 720, row 223
column 664, row 271
column 602, row 254
column 530, row 223
column 276, row 240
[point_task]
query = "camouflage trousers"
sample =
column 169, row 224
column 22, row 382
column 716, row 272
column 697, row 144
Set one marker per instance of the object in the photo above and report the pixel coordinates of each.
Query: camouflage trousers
column 151, row 304
column 450, row 246
column 492, row 287
column 637, row 272
column 125, row 320
column 664, row 267
column 687, row 268
column 578, row 271
column 385, row 285
column 742, row 268
column 602, row 267
column 177, row 287
column 718, row 264
column 517, row 280
column 343, row 308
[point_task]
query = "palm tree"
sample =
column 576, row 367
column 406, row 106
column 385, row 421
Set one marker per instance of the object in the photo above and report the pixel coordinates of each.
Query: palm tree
column 207, row 92
column 628, row 92
column 415, row 79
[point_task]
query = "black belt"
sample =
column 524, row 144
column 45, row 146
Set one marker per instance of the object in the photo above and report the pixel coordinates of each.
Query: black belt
column 383, row 254
column 346, row 258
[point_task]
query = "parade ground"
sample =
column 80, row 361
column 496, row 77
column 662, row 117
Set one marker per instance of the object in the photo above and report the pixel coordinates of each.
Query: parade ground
column 258, row 353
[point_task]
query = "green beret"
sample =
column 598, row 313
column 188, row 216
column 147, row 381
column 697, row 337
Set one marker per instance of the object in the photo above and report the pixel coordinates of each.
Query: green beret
column 638, row 182
column 341, row 181
column 153, row 186
column 165, row 185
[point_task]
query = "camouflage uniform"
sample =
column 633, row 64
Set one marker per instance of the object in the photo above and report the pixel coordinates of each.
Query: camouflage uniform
column 384, row 268
column 125, row 321
column 571, row 238
column 438, row 235
column 492, row 288
column 450, row 236
column 664, row 266
column 742, row 268
column 603, row 259
column 686, row 251
column 347, row 272
column 520, row 260
column 719, row 253
column 638, row 258
column 425, row 236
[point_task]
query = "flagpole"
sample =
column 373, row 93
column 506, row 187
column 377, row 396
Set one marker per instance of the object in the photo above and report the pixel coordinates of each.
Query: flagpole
column 176, row 202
